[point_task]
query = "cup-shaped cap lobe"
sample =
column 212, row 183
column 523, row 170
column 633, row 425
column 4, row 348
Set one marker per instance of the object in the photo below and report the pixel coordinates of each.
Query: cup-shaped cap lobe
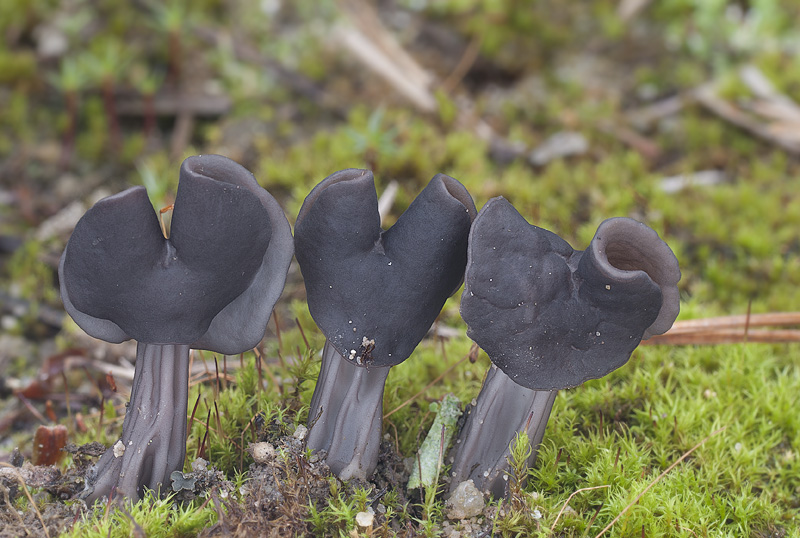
column 551, row 317
column 241, row 324
column 121, row 278
column 375, row 293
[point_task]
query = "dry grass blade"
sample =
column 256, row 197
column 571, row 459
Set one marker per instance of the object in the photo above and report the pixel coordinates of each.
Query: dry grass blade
column 707, row 97
column 386, row 200
column 365, row 38
column 659, row 477
column 35, row 412
column 566, row 503
column 425, row 388
column 366, row 18
column 774, row 105
column 27, row 494
column 644, row 146
column 464, row 65
column 647, row 115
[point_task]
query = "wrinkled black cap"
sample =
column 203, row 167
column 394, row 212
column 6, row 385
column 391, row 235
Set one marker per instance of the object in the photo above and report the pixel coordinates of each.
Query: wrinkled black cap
column 375, row 293
column 551, row 317
column 211, row 285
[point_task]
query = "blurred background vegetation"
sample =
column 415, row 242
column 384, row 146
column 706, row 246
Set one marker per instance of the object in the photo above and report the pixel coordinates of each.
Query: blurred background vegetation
column 680, row 113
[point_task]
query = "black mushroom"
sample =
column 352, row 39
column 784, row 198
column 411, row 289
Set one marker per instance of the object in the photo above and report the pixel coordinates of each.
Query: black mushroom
column 550, row 318
column 211, row 285
column 374, row 294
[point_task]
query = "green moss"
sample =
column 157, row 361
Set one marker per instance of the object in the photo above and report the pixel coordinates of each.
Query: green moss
column 32, row 276
column 17, row 68
column 738, row 241
column 231, row 415
column 92, row 141
column 151, row 516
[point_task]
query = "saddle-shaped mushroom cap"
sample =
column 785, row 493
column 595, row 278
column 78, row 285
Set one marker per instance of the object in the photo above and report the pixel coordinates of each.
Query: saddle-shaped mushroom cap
column 211, row 285
column 121, row 278
column 551, row 317
column 375, row 293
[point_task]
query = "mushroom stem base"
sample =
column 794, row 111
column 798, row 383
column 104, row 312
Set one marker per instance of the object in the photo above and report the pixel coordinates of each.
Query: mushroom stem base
column 503, row 408
column 153, row 442
column 346, row 415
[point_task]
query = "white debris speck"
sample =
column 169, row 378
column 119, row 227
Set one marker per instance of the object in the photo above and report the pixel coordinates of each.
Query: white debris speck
column 536, row 514
column 608, row 286
column 737, row 447
column 119, row 449
column 597, row 333
column 352, row 354
column 365, row 519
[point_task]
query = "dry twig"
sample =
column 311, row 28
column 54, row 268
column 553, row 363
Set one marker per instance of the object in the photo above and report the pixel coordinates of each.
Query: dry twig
column 731, row 329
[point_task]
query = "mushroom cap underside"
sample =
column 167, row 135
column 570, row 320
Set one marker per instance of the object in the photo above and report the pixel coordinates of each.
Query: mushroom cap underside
column 121, row 278
column 375, row 293
column 551, row 317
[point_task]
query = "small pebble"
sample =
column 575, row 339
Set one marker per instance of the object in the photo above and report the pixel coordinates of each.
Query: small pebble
column 465, row 502
column 262, row 452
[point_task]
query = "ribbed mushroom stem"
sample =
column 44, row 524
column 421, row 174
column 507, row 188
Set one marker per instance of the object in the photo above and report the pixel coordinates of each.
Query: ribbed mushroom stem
column 346, row 415
column 153, row 442
column 503, row 408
